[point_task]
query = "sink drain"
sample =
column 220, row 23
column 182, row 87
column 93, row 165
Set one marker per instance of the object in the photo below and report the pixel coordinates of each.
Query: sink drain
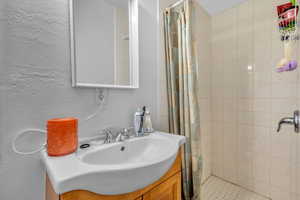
column 122, row 148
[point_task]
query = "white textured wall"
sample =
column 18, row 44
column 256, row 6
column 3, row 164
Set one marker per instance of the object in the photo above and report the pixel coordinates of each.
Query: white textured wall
column 35, row 85
column 2, row 28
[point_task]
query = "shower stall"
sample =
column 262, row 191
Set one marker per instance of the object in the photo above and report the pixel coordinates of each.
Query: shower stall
column 242, row 98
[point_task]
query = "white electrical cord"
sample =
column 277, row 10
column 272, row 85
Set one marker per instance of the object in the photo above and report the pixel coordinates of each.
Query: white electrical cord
column 100, row 98
column 28, row 132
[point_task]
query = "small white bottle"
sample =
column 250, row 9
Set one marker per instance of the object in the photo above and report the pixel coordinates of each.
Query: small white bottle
column 137, row 120
column 147, row 126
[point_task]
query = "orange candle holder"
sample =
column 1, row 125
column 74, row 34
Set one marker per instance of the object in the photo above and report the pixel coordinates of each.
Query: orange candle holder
column 62, row 137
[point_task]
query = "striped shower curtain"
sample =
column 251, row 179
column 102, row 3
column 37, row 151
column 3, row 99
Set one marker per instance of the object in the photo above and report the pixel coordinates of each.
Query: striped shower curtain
column 181, row 70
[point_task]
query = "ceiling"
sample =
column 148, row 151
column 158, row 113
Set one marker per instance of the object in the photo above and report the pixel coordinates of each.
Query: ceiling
column 216, row 6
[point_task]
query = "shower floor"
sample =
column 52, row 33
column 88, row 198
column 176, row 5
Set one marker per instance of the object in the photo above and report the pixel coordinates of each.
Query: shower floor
column 217, row 189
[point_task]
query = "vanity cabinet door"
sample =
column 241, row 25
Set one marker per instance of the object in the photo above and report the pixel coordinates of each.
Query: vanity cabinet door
column 169, row 190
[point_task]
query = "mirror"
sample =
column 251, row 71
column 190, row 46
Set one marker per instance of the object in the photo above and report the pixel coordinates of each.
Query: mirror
column 104, row 43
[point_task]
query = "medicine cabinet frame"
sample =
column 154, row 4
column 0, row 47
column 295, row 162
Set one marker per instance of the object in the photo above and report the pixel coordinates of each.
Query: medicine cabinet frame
column 133, row 50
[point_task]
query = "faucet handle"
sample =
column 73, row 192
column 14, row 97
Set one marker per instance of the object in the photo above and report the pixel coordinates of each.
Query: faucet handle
column 123, row 135
column 125, row 131
column 131, row 132
column 128, row 132
column 108, row 136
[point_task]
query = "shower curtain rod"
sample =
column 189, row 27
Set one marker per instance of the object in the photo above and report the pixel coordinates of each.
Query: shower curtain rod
column 176, row 4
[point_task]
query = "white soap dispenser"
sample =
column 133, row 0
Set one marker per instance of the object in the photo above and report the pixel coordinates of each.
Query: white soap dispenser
column 147, row 126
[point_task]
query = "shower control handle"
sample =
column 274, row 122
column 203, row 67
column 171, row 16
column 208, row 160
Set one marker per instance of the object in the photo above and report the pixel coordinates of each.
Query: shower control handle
column 295, row 121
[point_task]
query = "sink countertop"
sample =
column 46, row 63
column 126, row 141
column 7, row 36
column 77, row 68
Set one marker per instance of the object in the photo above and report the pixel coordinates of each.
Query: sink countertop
column 72, row 172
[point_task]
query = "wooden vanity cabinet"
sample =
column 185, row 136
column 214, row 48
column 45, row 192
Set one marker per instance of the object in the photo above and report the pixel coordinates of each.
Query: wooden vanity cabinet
column 167, row 188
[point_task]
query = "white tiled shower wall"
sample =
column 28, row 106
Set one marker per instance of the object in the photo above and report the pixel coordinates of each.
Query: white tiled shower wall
column 243, row 98
column 249, row 98
column 202, row 42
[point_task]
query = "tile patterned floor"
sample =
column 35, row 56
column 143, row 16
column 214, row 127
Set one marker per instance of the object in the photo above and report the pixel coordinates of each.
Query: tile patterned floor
column 217, row 189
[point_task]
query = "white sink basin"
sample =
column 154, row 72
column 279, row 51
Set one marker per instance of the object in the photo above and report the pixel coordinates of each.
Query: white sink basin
column 116, row 168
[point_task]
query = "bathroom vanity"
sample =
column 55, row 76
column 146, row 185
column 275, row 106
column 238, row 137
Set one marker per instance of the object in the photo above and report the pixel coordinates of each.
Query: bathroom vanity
column 166, row 188
column 147, row 168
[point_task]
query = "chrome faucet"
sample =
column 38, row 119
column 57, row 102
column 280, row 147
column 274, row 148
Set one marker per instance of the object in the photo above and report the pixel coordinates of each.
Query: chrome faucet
column 112, row 135
column 123, row 135
column 291, row 121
